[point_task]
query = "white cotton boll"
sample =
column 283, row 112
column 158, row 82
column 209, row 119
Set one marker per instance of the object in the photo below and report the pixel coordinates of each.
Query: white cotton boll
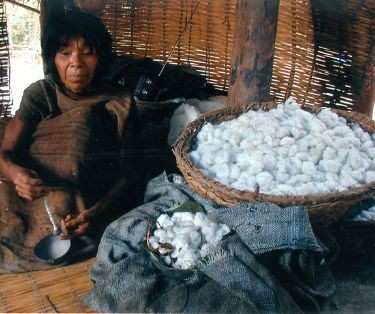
column 188, row 259
column 321, row 146
column 303, row 178
column 293, row 170
column 303, row 156
column 293, row 150
column 241, row 186
column 264, row 179
column 251, row 183
column 297, row 133
column 332, row 185
column 282, row 132
column 328, row 137
column 281, row 177
column 292, row 181
column 305, row 189
column 341, row 154
column 332, row 177
column 353, row 141
column 308, row 167
column 164, row 221
column 371, row 152
column 342, row 130
column 180, row 118
column 348, row 181
column 297, row 163
column 312, row 140
column 315, row 155
column 339, row 143
column 359, row 174
column 367, row 145
column 285, row 189
column 195, row 237
column 256, row 164
column 315, row 125
column 170, row 233
column 357, row 130
column 224, row 229
column 226, row 135
column 370, row 176
column 365, row 137
column 246, row 144
column 200, row 219
column 161, row 234
column 182, row 216
column 208, row 158
column 329, row 153
column 220, row 171
column 223, row 156
column 269, row 162
column 321, row 188
column 206, row 131
column 235, row 172
column 354, row 158
column 282, row 151
column 281, row 165
column 319, row 176
column 328, row 117
column 195, row 157
column 153, row 242
column 243, row 159
column 330, row 165
column 235, row 139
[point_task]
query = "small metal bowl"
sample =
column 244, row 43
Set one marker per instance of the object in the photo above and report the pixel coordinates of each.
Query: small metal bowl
column 52, row 250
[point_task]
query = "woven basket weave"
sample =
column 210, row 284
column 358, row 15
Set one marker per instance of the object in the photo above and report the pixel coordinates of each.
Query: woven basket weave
column 323, row 209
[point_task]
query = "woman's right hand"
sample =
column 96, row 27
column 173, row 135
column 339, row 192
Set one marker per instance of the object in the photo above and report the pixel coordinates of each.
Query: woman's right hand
column 28, row 184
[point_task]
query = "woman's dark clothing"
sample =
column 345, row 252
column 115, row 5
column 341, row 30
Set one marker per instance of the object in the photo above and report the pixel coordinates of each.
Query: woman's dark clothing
column 75, row 146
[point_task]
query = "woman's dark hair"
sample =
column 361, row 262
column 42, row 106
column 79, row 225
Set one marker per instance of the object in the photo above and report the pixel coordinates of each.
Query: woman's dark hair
column 75, row 23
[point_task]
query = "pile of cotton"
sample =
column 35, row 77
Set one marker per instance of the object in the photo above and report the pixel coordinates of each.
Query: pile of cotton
column 286, row 151
column 366, row 215
column 185, row 237
column 190, row 110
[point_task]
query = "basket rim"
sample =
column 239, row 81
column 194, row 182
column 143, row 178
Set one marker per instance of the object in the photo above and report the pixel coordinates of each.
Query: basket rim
column 182, row 147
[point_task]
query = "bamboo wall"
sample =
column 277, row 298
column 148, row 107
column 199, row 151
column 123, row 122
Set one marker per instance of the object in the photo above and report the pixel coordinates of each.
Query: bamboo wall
column 324, row 49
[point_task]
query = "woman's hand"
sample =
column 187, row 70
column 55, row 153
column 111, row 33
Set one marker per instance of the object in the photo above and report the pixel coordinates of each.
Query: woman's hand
column 28, row 184
column 75, row 227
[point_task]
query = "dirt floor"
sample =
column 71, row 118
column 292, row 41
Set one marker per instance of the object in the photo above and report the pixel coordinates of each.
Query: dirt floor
column 354, row 271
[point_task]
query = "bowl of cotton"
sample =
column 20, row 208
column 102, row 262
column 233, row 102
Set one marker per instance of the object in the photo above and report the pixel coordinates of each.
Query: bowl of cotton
column 321, row 158
column 183, row 236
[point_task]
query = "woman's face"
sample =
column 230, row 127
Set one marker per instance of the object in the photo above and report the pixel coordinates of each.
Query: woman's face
column 76, row 64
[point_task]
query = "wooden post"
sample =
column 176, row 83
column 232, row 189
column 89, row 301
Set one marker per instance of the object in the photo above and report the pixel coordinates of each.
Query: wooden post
column 253, row 51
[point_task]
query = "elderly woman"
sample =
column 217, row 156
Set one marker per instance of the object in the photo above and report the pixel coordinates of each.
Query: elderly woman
column 46, row 147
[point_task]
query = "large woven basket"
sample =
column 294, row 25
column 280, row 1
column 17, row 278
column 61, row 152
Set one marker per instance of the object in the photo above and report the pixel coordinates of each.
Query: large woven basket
column 323, row 209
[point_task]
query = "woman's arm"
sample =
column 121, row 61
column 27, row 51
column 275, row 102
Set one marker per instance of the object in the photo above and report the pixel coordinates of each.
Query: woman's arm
column 77, row 226
column 26, row 181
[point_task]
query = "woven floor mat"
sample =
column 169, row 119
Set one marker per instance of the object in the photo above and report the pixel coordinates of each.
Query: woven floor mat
column 46, row 291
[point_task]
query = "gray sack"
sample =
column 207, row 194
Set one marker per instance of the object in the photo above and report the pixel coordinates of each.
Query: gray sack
column 272, row 262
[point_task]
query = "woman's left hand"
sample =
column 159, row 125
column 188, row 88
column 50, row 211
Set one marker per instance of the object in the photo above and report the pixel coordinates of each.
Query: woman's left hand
column 73, row 227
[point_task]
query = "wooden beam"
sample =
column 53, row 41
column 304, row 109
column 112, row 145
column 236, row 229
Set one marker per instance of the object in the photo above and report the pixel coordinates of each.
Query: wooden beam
column 253, row 51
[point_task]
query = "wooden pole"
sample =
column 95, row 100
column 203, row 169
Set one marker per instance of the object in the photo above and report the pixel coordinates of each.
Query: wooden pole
column 253, row 51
